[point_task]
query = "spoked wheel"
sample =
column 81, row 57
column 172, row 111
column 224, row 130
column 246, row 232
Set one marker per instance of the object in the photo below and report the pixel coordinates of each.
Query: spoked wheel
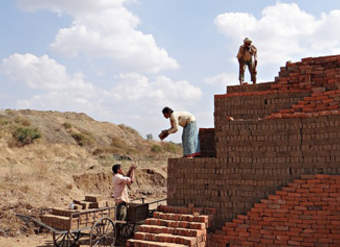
column 103, row 233
column 127, row 230
column 66, row 239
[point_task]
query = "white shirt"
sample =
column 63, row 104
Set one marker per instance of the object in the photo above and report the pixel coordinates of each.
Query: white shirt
column 181, row 118
column 120, row 192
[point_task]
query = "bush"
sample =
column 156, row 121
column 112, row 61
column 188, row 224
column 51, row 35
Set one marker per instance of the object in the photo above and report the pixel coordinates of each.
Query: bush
column 67, row 125
column 3, row 122
column 82, row 139
column 26, row 136
column 156, row 149
column 172, row 147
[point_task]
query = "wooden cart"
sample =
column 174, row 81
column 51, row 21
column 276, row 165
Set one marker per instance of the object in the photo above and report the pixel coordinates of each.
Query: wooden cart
column 99, row 226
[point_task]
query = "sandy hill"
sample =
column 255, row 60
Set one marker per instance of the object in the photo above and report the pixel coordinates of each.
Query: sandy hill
column 49, row 158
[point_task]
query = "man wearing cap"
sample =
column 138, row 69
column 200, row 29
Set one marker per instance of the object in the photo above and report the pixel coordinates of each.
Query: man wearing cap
column 245, row 58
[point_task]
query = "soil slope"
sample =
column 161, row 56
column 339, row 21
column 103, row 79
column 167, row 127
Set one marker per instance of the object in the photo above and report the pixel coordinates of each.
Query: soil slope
column 49, row 158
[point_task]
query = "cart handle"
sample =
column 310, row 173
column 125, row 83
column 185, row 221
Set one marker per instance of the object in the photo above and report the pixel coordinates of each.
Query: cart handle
column 28, row 219
column 137, row 199
column 158, row 201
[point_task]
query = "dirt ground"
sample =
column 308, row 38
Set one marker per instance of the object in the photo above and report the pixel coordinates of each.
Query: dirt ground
column 43, row 240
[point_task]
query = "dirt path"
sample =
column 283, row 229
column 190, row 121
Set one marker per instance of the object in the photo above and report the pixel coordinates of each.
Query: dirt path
column 42, row 240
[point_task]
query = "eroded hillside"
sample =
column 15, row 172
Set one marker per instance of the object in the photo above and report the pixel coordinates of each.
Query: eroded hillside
column 49, row 158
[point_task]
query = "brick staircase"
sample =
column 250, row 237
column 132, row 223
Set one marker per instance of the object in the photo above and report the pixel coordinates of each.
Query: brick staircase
column 173, row 227
column 305, row 213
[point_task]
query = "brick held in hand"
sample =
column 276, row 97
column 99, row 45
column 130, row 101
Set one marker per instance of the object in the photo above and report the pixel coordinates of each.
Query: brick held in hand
column 163, row 134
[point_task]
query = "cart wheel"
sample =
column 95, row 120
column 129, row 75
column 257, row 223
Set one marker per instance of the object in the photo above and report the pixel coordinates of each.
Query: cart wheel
column 127, row 230
column 67, row 239
column 103, row 233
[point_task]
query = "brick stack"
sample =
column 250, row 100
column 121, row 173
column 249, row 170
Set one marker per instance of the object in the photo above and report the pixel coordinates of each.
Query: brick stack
column 295, row 81
column 233, row 188
column 255, row 105
column 256, row 156
column 310, row 73
column 207, row 142
column 173, row 226
column 318, row 104
column 93, row 201
column 250, row 88
column 273, row 141
column 305, row 213
column 84, row 216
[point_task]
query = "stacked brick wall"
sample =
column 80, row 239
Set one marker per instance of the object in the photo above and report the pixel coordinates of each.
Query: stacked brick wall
column 310, row 73
column 250, row 88
column 319, row 104
column 207, row 142
column 254, row 105
column 301, row 141
column 254, row 159
column 305, row 213
column 256, row 154
column 231, row 188
column 260, row 100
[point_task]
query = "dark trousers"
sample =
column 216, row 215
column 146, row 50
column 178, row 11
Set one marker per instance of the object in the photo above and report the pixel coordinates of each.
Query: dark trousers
column 121, row 211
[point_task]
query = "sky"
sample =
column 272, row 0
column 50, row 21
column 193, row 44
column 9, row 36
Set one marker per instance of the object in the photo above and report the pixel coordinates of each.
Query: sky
column 122, row 61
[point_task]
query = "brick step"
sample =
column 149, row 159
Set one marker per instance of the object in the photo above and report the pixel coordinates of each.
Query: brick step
column 167, row 238
column 144, row 243
column 176, row 224
column 200, row 234
column 185, row 210
column 181, row 217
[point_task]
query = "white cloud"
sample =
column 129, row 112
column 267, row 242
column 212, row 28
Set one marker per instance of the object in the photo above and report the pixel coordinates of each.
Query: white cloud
column 56, row 88
column 283, row 32
column 74, row 6
column 135, row 99
column 138, row 88
column 138, row 100
column 105, row 28
column 42, row 73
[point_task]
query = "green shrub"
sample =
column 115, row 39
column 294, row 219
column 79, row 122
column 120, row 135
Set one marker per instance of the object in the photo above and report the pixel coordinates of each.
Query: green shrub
column 26, row 136
column 82, row 139
column 3, row 122
column 156, row 149
column 172, row 147
column 67, row 125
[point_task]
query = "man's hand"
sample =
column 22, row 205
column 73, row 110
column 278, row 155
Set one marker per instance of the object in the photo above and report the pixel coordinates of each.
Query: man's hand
column 163, row 134
column 133, row 166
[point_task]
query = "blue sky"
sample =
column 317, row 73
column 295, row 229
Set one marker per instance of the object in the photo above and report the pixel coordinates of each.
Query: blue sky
column 123, row 60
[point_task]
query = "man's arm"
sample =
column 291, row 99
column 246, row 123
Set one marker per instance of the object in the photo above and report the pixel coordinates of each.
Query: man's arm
column 254, row 53
column 174, row 125
column 240, row 53
column 131, row 173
